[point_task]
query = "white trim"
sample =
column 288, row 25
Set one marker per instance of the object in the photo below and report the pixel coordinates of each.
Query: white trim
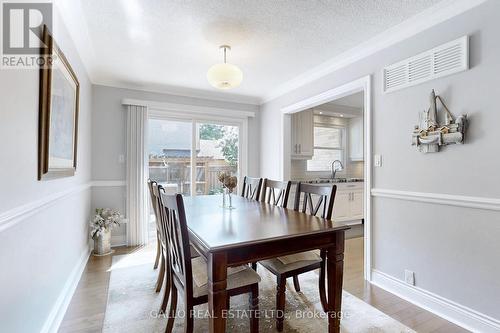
column 200, row 94
column 445, row 308
column 58, row 311
column 435, row 15
column 192, row 109
column 13, row 216
column 361, row 84
column 109, row 183
column 440, row 199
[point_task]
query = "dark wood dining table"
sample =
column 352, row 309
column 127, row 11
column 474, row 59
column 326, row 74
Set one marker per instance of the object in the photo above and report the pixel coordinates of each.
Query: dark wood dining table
column 254, row 231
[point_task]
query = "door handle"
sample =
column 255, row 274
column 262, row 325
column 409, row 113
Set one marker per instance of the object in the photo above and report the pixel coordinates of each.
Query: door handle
column 300, row 149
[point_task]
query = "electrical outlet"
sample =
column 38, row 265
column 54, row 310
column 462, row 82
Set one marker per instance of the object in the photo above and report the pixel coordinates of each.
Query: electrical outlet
column 410, row 277
column 378, row 160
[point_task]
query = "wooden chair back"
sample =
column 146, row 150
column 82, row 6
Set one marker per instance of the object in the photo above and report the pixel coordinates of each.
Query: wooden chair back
column 174, row 227
column 326, row 198
column 251, row 188
column 156, row 191
column 154, row 202
column 275, row 192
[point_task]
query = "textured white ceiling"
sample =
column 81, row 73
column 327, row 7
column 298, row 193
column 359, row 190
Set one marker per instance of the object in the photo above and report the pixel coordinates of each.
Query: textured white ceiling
column 171, row 44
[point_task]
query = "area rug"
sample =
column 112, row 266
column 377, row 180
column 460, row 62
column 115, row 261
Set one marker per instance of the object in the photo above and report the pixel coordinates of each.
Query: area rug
column 133, row 304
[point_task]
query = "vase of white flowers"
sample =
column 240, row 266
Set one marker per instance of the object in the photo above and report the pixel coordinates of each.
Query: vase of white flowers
column 101, row 225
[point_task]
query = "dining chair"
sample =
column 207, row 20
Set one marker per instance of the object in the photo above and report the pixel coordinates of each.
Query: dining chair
column 189, row 276
column 163, row 273
column 164, row 266
column 251, row 188
column 275, row 192
column 316, row 199
column 152, row 183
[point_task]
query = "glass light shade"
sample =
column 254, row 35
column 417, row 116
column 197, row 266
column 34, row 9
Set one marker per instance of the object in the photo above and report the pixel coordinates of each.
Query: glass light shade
column 224, row 76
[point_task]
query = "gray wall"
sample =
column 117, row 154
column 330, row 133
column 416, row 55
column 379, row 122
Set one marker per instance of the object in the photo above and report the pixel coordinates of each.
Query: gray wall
column 109, row 139
column 38, row 253
column 453, row 251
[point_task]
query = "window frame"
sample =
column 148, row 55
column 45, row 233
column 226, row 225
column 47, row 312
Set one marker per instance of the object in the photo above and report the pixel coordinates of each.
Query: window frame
column 194, row 119
column 343, row 146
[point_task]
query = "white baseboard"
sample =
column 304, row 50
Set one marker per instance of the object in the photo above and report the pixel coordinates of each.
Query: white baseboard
column 449, row 310
column 58, row 311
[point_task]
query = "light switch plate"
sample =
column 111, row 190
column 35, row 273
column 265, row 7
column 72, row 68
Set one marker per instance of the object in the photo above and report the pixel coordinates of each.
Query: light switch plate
column 378, row 160
column 121, row 158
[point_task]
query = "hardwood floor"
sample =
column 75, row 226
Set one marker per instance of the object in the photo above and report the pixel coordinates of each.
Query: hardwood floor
column 88, row 305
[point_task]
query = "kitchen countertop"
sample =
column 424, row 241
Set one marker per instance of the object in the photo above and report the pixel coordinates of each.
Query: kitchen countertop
column 323, row 181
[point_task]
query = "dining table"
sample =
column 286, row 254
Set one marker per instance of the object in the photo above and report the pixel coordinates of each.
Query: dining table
column 253, row 231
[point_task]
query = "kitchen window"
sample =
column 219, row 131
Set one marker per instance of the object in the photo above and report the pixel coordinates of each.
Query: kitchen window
column 329, row 145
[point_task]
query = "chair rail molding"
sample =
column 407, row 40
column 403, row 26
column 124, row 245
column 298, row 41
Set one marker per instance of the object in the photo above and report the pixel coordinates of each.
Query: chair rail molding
column 18, row 214
column 109, row 183
column 445, row 308
column 440, row 198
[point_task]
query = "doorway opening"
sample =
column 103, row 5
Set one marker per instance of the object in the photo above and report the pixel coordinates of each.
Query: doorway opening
column 327, row 139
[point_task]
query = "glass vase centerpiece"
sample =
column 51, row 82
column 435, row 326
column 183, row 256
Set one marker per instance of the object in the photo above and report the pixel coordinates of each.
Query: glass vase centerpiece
column 229, row 183
column 104, row 220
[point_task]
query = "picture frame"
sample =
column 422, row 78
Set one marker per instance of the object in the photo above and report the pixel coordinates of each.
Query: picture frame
column 58, row 112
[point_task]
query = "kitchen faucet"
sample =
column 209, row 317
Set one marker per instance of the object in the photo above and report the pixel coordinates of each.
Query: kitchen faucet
column 335, row 168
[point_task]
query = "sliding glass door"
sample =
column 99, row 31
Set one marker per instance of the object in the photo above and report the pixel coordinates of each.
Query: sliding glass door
column 217, row 151
column 174, row 145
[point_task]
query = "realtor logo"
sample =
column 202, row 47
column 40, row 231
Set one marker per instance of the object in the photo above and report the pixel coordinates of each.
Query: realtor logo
column 22, row 25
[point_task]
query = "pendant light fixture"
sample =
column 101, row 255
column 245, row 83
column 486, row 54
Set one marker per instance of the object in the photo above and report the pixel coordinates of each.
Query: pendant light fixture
column 224, row 76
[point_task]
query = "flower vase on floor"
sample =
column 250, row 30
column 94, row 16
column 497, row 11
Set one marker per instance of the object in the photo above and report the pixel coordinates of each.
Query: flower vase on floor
column 102, row 244
column 101, row 225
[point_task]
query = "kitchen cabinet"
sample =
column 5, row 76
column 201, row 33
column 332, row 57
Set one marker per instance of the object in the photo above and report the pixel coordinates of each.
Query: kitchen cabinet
column 302, row 135
column 349, row 203
column 348, row 207
column 356, row 139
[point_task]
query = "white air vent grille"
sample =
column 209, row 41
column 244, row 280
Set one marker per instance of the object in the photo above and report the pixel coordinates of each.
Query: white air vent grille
column 446, row 59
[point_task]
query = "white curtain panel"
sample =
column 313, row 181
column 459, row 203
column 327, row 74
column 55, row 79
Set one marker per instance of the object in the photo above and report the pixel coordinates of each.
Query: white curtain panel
column 137, row 227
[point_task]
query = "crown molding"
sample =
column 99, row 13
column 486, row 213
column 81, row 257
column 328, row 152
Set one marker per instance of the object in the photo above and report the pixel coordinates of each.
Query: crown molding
column 434, row 15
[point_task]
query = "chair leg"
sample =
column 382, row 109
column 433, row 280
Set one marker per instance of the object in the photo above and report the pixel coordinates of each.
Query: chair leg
column 322, row 278
column 296, row 283
column 173, row 310
column 166, row 293
column 280, row 302
column 161, row 274
column 189, row 322
column 158, row 252
column 254, row 309
column 254, row 266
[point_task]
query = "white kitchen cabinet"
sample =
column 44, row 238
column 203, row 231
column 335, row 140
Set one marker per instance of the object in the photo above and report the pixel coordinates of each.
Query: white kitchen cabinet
column 341, row 207
column 356, row 139
column 302, row 135
column 348, row 204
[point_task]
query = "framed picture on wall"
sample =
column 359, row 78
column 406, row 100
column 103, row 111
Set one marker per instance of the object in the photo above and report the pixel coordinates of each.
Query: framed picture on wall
column 58, row 114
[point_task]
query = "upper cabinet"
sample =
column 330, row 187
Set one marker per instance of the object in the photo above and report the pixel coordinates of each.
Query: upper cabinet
column 302, row 135
column 356, row 139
